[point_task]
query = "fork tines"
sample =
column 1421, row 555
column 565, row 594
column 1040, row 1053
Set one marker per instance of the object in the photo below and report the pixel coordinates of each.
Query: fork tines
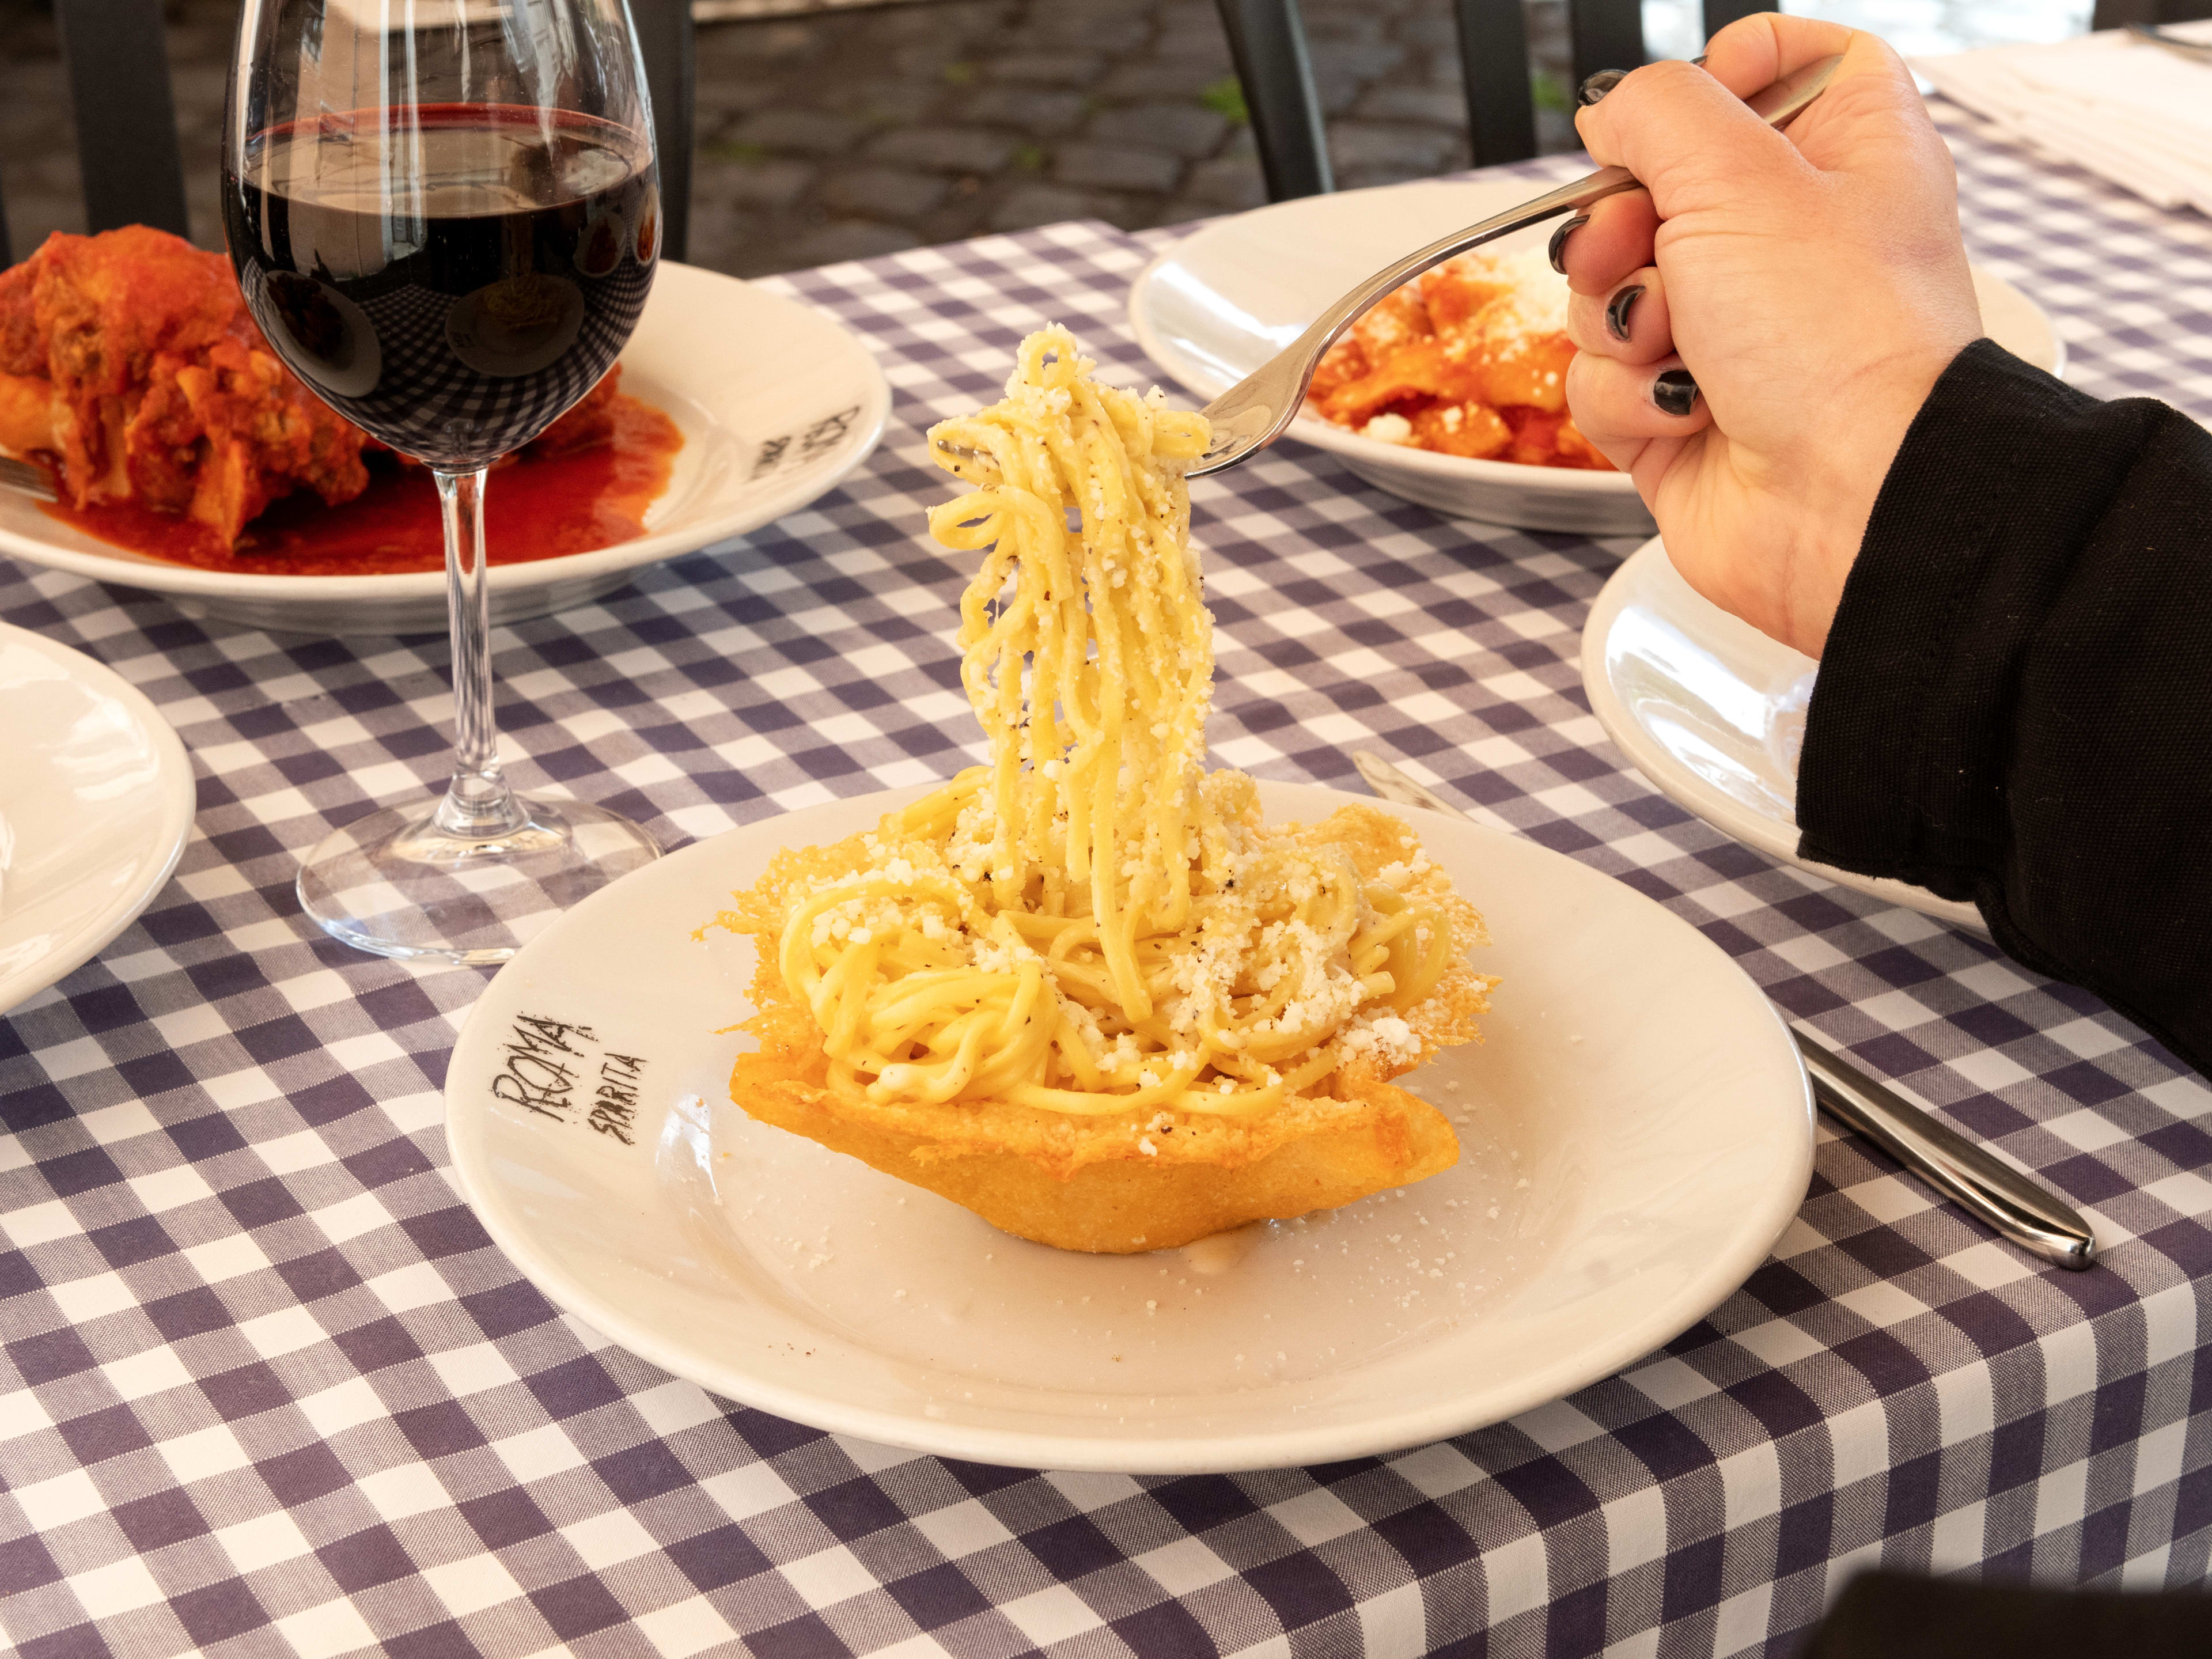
column 23, row 477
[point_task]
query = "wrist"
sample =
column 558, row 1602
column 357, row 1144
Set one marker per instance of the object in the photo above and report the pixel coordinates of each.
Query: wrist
column 1846, row 478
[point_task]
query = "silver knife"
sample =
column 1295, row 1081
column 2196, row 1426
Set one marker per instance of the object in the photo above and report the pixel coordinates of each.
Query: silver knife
column 2008, row 1199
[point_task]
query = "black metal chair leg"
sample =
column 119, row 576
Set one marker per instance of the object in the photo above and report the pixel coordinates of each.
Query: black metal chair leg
column 1719, row 13
column 1605, row 34
column 2117, row 14
column 1267, row 43
column 665, row 42
column 1493, row 59
column 126, row 121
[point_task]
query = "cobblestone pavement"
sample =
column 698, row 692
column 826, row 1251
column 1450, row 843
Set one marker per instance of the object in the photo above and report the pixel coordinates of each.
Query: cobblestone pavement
column 848, row 134
column 857, row 135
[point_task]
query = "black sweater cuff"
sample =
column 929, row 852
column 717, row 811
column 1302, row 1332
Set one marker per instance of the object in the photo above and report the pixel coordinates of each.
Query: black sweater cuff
column 2012, row 707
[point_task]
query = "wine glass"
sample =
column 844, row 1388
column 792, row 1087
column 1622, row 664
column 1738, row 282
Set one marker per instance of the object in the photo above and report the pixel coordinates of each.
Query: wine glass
column 444, row 214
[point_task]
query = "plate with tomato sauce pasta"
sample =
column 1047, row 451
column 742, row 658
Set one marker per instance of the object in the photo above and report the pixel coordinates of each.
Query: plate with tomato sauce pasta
column 1450, row 392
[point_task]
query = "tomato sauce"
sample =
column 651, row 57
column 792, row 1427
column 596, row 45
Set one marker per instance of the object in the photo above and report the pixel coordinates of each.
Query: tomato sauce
column 537, row 507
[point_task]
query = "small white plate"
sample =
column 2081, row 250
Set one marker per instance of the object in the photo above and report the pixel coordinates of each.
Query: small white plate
column 776, row 402
column 1217, row 305
column 96, row 803
column 1712, row 712
column 1636, row 1132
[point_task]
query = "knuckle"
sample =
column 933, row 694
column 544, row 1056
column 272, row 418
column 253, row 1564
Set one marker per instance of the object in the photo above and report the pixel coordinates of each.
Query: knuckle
column 1668, row 78
column 1587, row 373
column 1585, row 325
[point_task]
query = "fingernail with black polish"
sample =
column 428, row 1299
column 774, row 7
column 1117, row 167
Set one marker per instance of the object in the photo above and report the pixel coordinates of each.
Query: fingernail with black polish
column 1675, row 391
column 1616, row 313
column 1598, row 85
column 1559, row 249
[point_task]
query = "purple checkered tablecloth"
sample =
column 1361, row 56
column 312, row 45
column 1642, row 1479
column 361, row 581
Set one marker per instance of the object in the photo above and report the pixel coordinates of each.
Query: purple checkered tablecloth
column 267, row 1388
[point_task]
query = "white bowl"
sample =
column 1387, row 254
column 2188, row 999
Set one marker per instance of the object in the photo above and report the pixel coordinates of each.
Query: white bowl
column 1636, row 1130
column 1217, row 305
column 1712, row 712
column 776, row 402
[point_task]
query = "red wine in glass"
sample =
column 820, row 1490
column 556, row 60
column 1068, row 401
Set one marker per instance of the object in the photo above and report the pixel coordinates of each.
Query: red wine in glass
column 454, row 324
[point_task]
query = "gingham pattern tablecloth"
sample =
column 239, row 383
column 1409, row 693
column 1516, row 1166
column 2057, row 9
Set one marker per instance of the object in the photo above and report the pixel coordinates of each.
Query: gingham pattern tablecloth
column 267, row 1389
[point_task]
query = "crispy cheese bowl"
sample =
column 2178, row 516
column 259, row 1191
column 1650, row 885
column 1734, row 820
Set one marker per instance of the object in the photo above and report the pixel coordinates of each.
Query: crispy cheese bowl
column 1152, row 1178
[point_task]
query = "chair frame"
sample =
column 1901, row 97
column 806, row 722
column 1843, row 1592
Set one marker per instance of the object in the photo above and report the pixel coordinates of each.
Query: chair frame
column 117, row 64
column 2118, row 13
column 1267, row 42
column 667, row 43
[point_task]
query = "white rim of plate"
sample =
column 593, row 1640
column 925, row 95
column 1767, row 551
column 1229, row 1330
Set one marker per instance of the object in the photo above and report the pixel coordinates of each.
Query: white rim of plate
column 180, row 811
column 1763, row 1223
column 1325, row 435
column 803, row 487
column 1723, row 811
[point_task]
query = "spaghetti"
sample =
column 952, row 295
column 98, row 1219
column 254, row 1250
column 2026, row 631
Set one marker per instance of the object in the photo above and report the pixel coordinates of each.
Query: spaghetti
column 1089, row 925
column 1082, row 990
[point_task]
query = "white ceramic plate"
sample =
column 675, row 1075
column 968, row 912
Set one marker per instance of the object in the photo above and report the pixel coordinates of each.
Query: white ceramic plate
column 1636, row 1133
column 776, row 404
column 1214, row 307
column 96, row 803
column 1712, row 712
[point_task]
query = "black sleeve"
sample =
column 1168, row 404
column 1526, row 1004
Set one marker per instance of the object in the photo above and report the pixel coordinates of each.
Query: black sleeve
column 2015, row 707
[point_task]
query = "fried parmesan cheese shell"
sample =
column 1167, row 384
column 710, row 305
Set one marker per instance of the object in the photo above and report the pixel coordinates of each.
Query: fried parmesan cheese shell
column 1117, row 1185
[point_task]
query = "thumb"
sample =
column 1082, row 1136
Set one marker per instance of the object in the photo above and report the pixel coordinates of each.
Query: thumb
column 1689, row 140
column 1757, row 52
column 1688, row 135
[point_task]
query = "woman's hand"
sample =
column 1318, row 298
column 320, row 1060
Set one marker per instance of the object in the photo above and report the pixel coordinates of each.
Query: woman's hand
column 1800, row 294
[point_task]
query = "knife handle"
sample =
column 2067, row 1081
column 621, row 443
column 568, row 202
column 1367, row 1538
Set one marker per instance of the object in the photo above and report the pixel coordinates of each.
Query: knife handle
column 2018, row 1207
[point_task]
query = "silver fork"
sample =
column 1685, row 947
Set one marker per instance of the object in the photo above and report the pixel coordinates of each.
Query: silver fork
column 1250, row 414
column 2013, row 1203
column 22, row 477
column 2151, row 35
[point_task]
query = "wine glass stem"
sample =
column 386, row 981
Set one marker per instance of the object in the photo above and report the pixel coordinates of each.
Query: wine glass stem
column 478, row 804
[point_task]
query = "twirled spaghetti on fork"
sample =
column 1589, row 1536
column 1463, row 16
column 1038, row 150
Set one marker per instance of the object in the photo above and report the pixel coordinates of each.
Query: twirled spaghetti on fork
column 1082, row 990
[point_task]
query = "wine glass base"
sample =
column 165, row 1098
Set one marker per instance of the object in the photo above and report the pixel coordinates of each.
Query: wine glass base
column 395, row 885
